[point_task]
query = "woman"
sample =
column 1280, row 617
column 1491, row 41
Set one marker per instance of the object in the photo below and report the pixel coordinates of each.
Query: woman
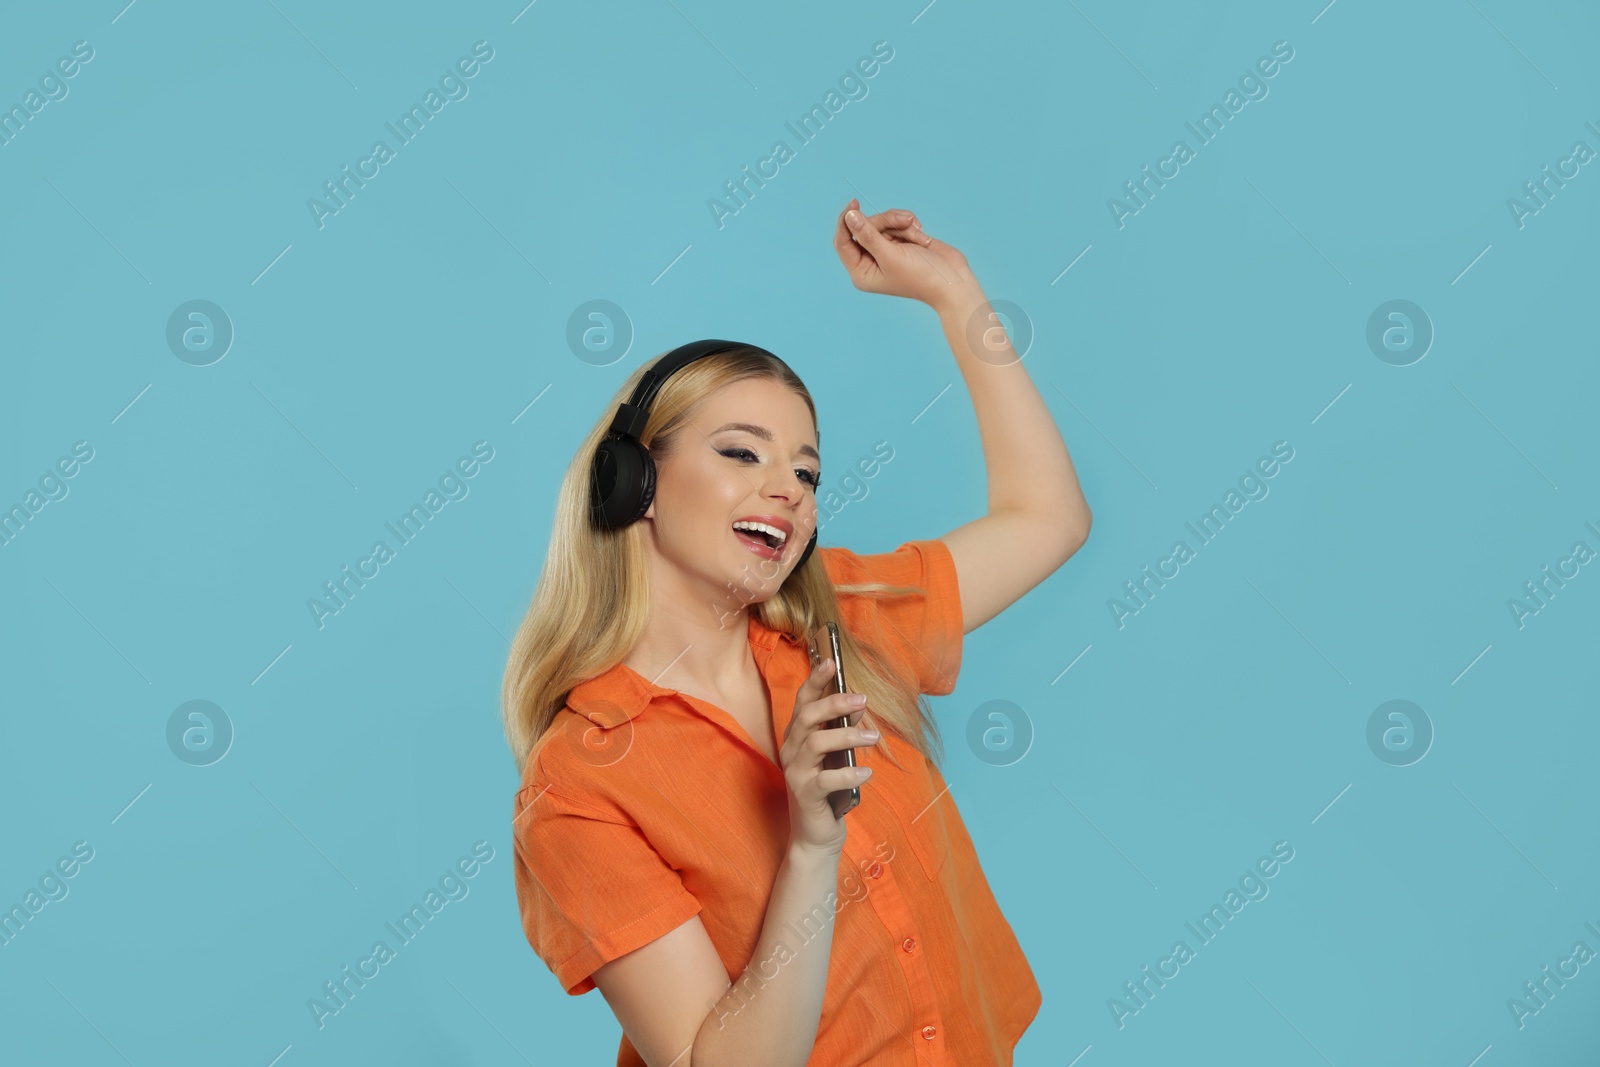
column 676, row 847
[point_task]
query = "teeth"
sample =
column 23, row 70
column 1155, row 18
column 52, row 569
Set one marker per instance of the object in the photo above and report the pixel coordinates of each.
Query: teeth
column 777, row 535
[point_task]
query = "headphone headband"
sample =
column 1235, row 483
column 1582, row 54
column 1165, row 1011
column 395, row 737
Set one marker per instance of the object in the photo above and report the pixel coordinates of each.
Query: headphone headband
column 632, row 416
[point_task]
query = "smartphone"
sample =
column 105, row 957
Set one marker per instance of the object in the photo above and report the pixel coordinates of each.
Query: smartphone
column 825, row 643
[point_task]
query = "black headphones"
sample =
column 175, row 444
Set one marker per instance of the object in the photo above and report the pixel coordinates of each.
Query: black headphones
column 622, row 482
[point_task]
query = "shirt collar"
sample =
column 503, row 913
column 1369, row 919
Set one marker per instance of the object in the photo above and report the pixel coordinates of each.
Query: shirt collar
column 621, row 693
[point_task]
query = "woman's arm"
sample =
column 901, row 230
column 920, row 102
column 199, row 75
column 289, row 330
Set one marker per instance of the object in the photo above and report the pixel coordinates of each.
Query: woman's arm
column 659, row 992
column 1037, row 516
column 770, row 1015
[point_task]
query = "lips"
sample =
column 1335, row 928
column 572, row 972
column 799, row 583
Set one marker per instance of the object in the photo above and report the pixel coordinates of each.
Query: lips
column 757, row 540
column 757, row 544
column 771, row 520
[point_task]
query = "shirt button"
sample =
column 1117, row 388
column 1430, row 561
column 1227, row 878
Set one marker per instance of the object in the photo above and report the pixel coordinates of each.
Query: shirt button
column 909, row 944
column 928, row 1032
column 875, row 871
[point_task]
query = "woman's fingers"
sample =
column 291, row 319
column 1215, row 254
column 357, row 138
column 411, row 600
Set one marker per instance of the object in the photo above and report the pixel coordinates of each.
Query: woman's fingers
column 896, row 224
column 868, row 233
column 824, row 708
column 835, row 739
column 876, row 233
column 915, row 236
column 906, row 226
column 820, row 675
column 900, row 224
column 850, row 253
column 817, row 685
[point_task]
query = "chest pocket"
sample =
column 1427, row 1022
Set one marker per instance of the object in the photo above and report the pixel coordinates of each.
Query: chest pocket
column 920, row 801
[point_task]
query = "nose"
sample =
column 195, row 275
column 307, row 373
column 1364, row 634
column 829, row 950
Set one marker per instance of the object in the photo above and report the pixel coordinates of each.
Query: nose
column 787, row 487
column 788, row 494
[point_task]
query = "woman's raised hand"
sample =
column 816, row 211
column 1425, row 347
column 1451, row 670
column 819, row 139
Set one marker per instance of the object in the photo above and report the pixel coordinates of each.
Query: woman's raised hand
column 809, row 736
column 888, row 253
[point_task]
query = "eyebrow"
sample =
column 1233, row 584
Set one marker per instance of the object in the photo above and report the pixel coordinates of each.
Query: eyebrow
column 766, row 435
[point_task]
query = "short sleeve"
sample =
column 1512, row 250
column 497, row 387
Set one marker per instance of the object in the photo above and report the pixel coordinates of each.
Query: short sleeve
column 920, row 631
column 590, row 886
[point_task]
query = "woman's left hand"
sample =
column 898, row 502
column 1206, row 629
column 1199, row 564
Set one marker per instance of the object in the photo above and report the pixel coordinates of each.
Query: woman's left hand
column 888, row 253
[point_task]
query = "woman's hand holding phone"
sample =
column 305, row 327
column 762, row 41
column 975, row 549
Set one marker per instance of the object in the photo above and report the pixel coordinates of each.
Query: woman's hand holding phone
column 811, row 734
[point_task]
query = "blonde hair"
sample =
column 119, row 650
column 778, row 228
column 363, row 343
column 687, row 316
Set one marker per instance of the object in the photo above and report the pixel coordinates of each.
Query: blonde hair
column 593, row 597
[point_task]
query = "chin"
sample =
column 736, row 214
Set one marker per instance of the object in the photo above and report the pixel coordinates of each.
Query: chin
column 754, row 580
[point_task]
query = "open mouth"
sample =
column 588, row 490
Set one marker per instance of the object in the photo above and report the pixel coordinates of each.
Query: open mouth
column 759, row 535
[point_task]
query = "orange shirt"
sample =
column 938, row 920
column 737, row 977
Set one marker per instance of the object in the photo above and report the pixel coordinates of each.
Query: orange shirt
column 648, row 806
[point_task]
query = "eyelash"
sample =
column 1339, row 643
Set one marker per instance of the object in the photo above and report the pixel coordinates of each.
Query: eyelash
column 734, row 453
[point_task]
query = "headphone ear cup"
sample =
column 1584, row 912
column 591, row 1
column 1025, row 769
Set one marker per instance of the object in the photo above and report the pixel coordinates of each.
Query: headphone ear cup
column 622, row 482
column 811, row 547
column 647, row 481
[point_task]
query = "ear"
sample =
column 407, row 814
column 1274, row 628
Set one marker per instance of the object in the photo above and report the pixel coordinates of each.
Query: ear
column 650, row 512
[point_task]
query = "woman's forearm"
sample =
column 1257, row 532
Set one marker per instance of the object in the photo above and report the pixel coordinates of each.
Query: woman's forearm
column 770, row 1014
column 1026, row 459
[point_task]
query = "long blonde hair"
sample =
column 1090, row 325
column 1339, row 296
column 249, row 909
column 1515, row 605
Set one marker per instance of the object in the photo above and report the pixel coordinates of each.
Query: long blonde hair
column 593, row 598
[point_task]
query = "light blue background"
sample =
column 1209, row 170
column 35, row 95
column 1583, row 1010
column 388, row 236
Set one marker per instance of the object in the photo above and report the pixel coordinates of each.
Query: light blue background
column 1230, row 313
